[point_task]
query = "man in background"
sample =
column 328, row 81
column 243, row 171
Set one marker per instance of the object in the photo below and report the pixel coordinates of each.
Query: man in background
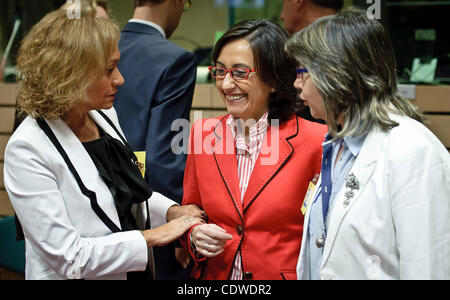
column 102, row 9
column 159, row 86
column 298, row 14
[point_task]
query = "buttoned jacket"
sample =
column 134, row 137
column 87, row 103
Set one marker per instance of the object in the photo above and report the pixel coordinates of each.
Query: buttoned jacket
column 267, row 224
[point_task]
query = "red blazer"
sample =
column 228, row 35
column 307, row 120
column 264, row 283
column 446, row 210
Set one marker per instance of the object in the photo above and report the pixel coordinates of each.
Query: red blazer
column 268, row 226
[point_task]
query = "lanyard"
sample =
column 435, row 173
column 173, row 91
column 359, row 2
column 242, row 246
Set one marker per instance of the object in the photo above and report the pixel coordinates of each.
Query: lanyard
column 327, row 161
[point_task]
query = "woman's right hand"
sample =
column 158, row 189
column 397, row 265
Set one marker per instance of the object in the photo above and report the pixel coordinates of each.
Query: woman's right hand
column 171, row 231
column 209, row 239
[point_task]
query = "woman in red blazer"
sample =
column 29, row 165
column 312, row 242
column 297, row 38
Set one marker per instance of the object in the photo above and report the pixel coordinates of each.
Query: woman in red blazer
column 249, row 170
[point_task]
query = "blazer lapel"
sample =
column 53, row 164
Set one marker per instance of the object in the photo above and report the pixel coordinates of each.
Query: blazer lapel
column 81, row 160
column 362, row 171
column 225, row 156
column 76, row 152
column 100, row 121
column 271, row 158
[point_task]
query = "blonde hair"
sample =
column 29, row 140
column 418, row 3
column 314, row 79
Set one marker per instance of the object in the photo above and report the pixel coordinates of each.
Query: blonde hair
column 351, row 60
column 60, row 59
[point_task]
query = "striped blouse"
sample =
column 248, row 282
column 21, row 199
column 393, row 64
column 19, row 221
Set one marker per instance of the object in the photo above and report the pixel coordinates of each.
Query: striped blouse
column 246, row 154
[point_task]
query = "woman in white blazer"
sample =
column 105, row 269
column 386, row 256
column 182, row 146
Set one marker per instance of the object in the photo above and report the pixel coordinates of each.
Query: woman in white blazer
column 82, row 202
column 384, row 189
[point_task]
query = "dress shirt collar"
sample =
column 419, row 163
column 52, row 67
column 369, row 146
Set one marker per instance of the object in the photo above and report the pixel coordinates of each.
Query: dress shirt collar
column 354, row 144
column 256, row 129
column 151, row 24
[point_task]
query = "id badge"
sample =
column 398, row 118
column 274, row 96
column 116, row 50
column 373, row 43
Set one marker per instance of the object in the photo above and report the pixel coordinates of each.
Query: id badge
column 140, row 155
column 308, row 197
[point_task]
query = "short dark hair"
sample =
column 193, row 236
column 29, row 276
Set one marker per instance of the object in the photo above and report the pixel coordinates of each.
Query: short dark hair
column 334, row 4
column 138, row 3
column 275, row 68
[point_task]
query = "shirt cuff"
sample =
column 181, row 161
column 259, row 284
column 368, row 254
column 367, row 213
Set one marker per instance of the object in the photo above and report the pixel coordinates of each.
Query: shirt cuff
column 197, row 257
column 159, row 205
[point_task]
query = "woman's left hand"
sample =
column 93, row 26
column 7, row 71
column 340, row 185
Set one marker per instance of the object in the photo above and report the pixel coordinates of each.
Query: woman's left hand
column 169, row 232
column 209, row 239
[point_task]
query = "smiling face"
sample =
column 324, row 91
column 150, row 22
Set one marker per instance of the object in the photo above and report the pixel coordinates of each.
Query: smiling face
column 245, row 99
column 310, row 96
column 102, row 93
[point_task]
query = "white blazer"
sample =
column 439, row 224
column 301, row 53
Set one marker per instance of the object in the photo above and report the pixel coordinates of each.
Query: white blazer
column 397, row 224
column 64, row 238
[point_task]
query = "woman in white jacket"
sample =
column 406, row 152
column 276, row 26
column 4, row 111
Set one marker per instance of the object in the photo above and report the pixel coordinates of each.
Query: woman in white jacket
column 381, row 208
column 74, row 183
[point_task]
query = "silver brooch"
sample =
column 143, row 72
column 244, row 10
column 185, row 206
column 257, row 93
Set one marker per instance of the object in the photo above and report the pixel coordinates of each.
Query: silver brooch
column 351, row 184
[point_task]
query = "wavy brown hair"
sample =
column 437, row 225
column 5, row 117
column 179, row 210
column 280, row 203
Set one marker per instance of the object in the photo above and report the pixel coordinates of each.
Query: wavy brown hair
column 59, row 60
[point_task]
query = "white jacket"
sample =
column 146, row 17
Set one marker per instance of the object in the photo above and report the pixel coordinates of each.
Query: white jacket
column 65, row 239
column 397, row 224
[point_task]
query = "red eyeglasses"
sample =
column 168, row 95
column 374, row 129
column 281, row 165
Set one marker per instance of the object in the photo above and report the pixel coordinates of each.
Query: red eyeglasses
column 236, row 73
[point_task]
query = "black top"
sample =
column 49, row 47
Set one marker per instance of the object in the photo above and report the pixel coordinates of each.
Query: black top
column 116, row 165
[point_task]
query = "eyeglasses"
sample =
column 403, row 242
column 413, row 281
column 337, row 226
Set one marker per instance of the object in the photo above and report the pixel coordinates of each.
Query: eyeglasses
column 236, row 73
column 187, row 4
column 300, row 72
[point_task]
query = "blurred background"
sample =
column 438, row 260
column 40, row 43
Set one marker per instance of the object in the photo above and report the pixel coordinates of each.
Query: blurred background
column 418, row 29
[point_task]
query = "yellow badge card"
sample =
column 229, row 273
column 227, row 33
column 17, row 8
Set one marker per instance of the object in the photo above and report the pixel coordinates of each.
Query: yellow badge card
column 308, row 197
column 141, row 161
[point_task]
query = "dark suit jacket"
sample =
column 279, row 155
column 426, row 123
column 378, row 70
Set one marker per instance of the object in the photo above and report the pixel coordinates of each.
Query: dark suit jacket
column 159, row 85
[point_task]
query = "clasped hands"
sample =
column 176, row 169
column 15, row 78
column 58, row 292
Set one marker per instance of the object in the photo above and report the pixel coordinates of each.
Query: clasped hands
column 209, row 240
column 179, row 220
